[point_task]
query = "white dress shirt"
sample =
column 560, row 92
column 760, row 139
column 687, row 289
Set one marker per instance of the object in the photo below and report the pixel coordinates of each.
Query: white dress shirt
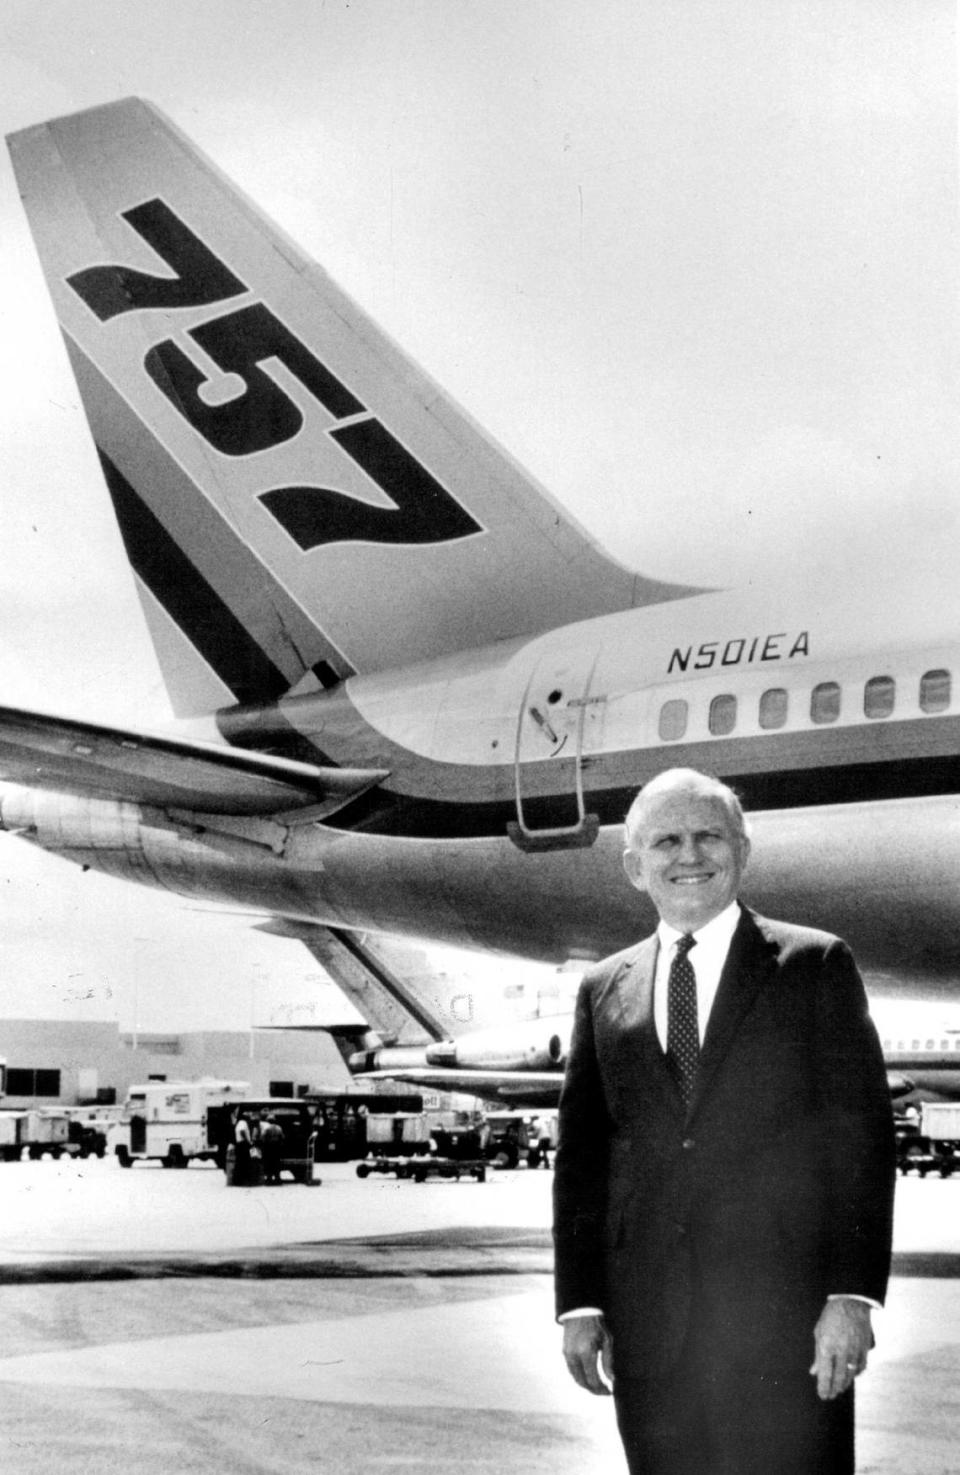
column 706, row 959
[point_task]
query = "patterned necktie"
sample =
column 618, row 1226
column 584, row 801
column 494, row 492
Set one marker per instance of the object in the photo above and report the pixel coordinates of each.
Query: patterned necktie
column 683, row 1037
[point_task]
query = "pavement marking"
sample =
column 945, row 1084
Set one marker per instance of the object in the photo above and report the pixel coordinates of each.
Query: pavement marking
column 497, row 1352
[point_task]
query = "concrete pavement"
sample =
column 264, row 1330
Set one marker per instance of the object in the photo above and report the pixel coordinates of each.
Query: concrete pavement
column 160, row 1322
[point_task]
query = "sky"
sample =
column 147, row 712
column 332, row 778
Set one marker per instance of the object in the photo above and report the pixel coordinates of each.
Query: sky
column 695, row 267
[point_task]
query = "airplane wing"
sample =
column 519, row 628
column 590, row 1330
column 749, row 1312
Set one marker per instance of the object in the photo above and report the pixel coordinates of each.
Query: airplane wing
column 518, row 1087
column 71, row 757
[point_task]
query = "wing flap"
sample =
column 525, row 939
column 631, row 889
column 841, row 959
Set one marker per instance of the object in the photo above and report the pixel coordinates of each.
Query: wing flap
column 47, row 752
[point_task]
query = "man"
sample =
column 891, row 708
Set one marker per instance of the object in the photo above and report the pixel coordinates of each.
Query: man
column 271, row 1145
column 725, row 1169
column 243, row 1143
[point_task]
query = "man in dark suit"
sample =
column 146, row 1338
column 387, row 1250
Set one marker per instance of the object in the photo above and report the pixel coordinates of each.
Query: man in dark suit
column 724, row 1176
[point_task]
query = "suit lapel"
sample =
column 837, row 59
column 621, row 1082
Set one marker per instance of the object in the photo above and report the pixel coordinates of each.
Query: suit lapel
column 635, row 986
column 635, row 1002
column 750, row 964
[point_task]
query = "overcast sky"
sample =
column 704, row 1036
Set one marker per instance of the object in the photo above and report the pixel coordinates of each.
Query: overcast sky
column 695, row 266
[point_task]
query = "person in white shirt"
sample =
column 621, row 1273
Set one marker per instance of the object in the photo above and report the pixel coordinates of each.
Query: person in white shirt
column 725, row 1167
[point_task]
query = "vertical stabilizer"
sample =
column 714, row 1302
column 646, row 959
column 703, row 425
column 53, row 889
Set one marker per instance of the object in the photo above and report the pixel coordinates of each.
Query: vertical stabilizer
column 410, row 995
column 298, row 500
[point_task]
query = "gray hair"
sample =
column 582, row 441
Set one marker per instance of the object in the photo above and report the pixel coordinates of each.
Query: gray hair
column 690, row 779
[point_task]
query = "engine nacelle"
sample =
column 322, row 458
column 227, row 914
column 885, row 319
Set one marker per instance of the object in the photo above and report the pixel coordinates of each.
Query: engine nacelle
column 69, row 824
column 539, row 1044
column 191, row 854
column 388, row 1057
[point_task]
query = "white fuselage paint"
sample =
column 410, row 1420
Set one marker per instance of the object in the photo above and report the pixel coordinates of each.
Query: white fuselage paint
column 615, row 673
column 883, row 871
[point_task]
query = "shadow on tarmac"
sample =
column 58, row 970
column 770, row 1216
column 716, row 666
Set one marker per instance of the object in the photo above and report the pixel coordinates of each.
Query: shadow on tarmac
column 427, row 1345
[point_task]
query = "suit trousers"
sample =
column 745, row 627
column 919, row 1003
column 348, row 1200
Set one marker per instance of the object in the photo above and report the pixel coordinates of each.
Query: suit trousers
column 706, row 1420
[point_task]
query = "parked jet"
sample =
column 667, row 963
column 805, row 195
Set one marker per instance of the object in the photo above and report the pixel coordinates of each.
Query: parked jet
column 490, row 1031
column 509, row 1043
column 418, row 698
column 923, row 1068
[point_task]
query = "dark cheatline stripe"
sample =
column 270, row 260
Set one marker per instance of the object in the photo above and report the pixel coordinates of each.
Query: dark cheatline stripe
column 197, row 609
column 850, row 783
column 417, row 815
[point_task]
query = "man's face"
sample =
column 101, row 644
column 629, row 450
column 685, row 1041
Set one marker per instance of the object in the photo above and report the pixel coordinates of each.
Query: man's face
column 688, row 854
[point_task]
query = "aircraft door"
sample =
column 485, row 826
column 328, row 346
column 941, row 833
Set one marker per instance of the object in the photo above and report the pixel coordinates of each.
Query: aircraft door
column 556, row 721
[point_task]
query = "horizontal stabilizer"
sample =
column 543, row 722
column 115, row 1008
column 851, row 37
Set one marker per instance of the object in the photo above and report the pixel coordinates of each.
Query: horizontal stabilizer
column 110, row 763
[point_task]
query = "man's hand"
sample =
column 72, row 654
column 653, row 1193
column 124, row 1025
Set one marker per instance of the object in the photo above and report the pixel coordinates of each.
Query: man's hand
column 588, row 1350
column 843, row 1338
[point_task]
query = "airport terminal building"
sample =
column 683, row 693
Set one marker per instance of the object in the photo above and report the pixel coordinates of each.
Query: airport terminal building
column 64, row 1063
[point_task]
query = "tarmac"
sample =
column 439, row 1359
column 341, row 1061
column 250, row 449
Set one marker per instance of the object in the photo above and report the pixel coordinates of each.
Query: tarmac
column 160, row 1323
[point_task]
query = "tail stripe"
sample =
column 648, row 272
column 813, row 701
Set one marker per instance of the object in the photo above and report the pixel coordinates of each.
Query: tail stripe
column 197, row 609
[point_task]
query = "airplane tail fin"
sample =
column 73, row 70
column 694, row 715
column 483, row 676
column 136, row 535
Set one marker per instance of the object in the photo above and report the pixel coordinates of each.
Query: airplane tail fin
column 297, row 499
column 410, row 996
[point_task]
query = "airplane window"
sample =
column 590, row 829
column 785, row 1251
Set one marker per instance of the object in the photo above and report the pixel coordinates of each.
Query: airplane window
column 723, row 715
column 879, row 695
column 673, row 720
column 825, row 702
column 773, row 707
column 935, row 691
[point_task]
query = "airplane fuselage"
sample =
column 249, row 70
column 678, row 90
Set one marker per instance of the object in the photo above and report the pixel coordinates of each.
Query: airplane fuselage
column 510, row 769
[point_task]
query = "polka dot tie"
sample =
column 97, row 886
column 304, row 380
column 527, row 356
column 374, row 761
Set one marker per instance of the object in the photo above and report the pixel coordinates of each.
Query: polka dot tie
column 683, row 1037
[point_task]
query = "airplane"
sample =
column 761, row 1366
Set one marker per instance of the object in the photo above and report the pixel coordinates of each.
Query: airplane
column 507, row 1043
column 455, row 1031
column 914, row 1075
column 924, row 1066
column 497, row 1033
column 506, row 1039
column 414, row 699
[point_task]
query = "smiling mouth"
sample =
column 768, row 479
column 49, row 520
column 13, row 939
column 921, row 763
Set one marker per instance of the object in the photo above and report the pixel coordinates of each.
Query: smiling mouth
column 692, row 880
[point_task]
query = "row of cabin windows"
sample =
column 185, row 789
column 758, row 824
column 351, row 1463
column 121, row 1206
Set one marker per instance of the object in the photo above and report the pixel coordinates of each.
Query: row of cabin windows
column 879, row 699
column 944, row 1047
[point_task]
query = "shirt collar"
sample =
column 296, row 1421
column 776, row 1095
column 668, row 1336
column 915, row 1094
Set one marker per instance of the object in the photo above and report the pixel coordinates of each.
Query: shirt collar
column 717, row 932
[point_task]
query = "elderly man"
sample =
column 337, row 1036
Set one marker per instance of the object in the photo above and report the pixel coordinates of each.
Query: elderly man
column 725, row 1170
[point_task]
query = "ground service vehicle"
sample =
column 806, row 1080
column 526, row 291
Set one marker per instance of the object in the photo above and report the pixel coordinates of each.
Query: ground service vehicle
column 36, row 1131
column 171, row 1121
column 344, row 1118
column 87, row 1130
column 932, row 1143
column 410, row 1145
column 396, row 1134
column 297, row 1119
column 506, row 1138
column 420, row 1168
column 48, row 1132
column 14, row 1135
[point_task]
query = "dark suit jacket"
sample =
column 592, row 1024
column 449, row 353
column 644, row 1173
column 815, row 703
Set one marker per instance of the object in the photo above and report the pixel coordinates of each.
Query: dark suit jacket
column 738, row 1217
